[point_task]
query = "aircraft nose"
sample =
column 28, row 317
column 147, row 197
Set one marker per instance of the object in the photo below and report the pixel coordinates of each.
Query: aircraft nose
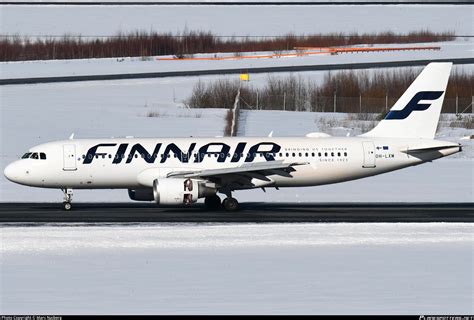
column 11, row 172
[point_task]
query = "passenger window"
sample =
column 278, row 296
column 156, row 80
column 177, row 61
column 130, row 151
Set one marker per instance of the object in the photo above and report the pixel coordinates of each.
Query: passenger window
column 312, row 154
column 338, row 154
column 345, row 154
column 306, row 154
column 332, row 154
column 293, row 154
column 325, row 154
column 287, row 154
column 299, row 154
column 319, row 154
column 42, row 156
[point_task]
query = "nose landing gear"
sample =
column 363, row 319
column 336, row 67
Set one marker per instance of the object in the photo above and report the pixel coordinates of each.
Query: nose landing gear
column 67, row 199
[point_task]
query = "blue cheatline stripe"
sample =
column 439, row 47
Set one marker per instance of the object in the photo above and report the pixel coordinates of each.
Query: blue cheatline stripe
column 414, row 105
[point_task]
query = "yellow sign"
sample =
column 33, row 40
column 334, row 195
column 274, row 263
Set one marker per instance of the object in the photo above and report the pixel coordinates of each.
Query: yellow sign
column 244, row 77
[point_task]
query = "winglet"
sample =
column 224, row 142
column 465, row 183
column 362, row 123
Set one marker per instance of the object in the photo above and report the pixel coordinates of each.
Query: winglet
column 71, row 136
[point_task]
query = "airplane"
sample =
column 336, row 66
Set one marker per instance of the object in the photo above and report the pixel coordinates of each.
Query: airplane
column 179, row 171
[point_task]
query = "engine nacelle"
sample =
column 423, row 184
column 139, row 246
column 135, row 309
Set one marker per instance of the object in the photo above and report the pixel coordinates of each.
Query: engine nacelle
column 141, row 194
column 177, row 191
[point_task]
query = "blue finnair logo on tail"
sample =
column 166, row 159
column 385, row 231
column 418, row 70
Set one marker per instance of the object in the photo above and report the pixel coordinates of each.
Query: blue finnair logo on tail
column 414, row 105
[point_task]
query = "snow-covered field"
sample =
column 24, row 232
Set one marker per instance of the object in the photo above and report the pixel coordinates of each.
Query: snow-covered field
column 239, row 20
column 238, row 269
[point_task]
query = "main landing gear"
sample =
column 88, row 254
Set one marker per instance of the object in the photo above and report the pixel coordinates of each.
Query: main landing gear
column 214, row 203
column 67, row 199
column 230, row 204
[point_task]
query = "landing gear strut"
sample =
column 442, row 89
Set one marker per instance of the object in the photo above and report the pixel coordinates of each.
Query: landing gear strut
column 67, row 199
column 213, row 202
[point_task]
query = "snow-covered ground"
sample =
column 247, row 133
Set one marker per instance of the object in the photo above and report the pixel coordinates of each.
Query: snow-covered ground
column 34, row 114
column 449, row 50
column 238, row 269
column 234, row 20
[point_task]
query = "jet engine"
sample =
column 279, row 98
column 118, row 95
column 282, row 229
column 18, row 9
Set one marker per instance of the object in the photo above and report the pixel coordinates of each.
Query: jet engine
column 176, row 191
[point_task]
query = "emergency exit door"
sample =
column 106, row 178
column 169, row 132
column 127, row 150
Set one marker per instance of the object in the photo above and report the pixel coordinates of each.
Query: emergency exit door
column 69, row 156
column 369, row 154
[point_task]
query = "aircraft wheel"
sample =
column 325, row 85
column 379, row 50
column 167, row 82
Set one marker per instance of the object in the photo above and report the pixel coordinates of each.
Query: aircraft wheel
column 213, row 202
column 67, row 206
column 230, row 204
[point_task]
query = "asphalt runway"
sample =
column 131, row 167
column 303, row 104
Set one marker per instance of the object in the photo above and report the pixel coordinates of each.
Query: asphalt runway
column 34, row 213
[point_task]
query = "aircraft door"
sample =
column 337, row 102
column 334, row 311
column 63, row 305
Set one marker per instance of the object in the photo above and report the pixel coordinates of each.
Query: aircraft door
column 69, row 157
column 369, row 154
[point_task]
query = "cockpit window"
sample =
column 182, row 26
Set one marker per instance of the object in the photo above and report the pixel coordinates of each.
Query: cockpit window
column 34, row 155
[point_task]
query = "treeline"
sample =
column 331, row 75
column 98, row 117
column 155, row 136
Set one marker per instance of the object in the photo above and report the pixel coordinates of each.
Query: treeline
column 141, row 44
column 347, row 91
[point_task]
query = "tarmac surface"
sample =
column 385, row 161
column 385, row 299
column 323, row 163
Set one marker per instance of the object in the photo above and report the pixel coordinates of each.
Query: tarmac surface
column 40, row 213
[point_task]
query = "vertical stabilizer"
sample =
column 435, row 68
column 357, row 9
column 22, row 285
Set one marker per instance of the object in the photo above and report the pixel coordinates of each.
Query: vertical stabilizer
column 416, row 113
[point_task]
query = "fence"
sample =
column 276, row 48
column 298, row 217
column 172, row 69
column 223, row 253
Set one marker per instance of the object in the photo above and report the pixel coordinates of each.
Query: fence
column 336, row 103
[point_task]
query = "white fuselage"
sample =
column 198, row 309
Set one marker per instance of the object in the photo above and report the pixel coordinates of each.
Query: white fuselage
column 124, row 163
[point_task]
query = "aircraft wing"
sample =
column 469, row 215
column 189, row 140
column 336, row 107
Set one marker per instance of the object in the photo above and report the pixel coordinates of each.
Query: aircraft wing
column 252, row 174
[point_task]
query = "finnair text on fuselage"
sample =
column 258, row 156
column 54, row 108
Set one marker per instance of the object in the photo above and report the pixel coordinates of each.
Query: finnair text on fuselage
column 184, row 155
